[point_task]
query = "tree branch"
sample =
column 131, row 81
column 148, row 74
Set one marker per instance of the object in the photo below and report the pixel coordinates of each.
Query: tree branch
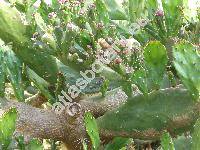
column 45, row 124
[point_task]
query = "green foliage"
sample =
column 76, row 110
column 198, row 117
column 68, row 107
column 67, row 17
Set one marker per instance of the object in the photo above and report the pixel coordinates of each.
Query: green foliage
column 33, row 144
column 165, row 22
column 92, row 130
column 7, row 127
column 12, row 28
column 141, row 113
column 166, row 142
column 13, row 68
column 150, row 74
column 44, row 31
column 187, row 63
column 196, row 136
column 140, row 79
column 22, row 5
column 136, row 9
column 102, row 13
column 155, row 58
column 182, row 143
column 85, row 145
column 104, row 87
column 50, row 45
column 118, row 143
column 115, row 11
column 14, row 73
column 2, row 70
column 41, row 84
column 173, row 15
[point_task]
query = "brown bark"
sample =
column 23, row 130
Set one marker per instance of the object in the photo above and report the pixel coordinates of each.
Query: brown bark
column 46, row 124
column 36, row 100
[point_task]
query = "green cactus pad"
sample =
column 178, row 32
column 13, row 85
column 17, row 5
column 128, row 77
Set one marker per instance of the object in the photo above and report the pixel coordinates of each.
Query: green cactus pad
column 187, row 63
column 141, row 113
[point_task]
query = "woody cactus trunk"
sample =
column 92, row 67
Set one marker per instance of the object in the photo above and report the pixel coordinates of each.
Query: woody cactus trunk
column 83, row 59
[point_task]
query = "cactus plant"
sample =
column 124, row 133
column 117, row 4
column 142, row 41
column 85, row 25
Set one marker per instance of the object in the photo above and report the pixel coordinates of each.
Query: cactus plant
column 134, row 93
column 92, row 130
column 142, row 113
column 155, row 58
column 187, row 63
column 2, row 71
column 166, row 142
column 195, row 136
column 7, row 127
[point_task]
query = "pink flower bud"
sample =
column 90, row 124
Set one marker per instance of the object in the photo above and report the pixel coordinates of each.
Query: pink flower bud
column 82, row 12
column 52, row 15
column 62, row 1
column 100, row 25
column 92, row 6
column 118, row 60
column 126, row 51
column 159, row 13
column 123, row 43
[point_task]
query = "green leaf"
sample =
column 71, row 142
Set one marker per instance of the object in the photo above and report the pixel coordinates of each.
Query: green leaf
column 141, row 113
column 2, row 70
column 118, row 143
column 127, row 88
column 45, row 32
column 11, row 26
column 173, row 16
column 102, row 12
column 7, row 127
column 196, row 136
column 166, row 142
column 40, row 22
column 183, row 143
column 136, row 9
column 104, row 87
column 34, row 144
column 41, row 84
column 116, row 12
column 14, row 72
column 44, row 9
column 55, row 4
column 85, row 147
column 22, row 5
column 83, row 39
column 92, row 130
column 20, row 142
column 139, row 78
column 187, row 64
column 155, row 57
